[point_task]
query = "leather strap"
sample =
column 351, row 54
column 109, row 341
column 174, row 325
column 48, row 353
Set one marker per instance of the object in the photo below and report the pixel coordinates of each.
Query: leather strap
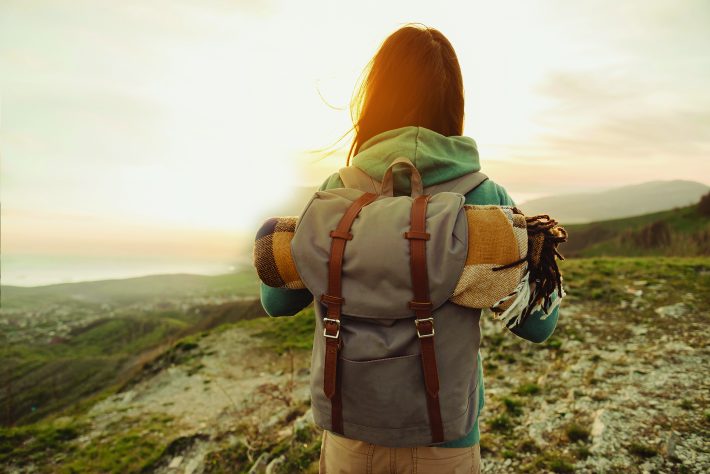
column 462, row 185
column 334, row 301
column 422, row 307
column 415, row 178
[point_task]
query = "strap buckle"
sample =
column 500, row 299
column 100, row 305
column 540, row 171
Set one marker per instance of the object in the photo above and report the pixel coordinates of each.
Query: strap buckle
column 416, row 235
column 339, row 234
column 325, row 328
column 423, row 320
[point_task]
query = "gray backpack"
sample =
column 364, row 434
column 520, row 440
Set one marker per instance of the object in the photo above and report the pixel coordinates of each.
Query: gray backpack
column 394, row 361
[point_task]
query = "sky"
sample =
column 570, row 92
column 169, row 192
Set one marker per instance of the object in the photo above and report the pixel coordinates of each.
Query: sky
column 169, row 129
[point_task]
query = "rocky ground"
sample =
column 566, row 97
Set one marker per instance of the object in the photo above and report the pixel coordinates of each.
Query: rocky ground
column 614, row 397
column 621, row 387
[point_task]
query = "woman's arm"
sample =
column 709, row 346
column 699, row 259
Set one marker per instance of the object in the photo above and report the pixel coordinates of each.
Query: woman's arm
column 282, row 301
column 534, row 328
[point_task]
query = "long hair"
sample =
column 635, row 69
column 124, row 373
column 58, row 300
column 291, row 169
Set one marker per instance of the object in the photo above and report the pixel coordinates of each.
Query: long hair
column 413, row 79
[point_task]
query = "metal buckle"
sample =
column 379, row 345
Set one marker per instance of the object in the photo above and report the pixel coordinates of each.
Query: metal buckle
column 420, row 335
column 325, row 329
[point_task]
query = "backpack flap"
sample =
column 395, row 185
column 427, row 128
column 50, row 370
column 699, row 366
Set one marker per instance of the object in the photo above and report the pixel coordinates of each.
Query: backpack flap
column 376, row 277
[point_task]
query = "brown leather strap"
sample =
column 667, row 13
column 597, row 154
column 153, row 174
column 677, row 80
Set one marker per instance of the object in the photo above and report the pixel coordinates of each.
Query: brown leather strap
column 422, row 307
column 334, row 300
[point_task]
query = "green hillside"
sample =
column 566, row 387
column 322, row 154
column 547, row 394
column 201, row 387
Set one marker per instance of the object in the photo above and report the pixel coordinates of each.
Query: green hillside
column 60, row 344
column 677, row 232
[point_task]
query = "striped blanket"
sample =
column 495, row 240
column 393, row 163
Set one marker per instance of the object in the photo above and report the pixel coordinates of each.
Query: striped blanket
column 510, row 267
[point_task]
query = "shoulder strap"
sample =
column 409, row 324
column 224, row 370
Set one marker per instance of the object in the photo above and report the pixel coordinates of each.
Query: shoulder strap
column 354, row 177
column 462, row 184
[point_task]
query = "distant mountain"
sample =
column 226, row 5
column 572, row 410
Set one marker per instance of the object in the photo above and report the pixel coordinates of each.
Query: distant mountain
column 625, row 201
column 144, row 289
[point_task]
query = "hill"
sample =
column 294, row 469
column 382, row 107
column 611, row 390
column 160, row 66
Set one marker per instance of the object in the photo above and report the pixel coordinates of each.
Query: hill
column 131, row 290
column 676, row 232
column 62, row 344
column 625, row 201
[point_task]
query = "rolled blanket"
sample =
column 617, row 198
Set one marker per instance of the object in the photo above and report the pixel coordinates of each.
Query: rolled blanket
column 272, row 254
column 510, row 266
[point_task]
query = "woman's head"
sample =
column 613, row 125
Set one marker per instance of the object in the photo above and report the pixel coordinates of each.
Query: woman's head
column 413, row 79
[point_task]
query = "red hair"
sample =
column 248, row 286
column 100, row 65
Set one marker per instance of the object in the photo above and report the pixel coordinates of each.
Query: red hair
column 413, row 79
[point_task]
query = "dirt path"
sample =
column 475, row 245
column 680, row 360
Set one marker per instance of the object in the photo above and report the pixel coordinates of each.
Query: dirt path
column 224, row 385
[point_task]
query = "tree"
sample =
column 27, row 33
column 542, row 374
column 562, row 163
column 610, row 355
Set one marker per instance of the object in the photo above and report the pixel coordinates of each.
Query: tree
column 704, row 205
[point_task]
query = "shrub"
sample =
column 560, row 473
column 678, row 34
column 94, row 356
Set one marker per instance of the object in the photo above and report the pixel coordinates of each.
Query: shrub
column 642, row 450
column 576, row 432
column 501, row 423
column 512, row 406
column 528, row 389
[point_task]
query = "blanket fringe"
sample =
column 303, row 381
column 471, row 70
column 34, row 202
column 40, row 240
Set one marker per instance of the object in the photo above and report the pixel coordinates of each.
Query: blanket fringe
column 514, row 313
column 543, row 274
column 525, row 303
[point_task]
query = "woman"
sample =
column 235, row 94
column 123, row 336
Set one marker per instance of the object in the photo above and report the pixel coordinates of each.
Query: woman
column 411, row 104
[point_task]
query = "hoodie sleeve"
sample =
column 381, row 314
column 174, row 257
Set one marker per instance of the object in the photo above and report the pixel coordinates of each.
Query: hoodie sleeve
column 282, row 301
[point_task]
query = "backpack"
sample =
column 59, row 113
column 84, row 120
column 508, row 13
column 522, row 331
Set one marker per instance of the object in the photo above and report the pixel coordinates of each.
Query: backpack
column 394, row 362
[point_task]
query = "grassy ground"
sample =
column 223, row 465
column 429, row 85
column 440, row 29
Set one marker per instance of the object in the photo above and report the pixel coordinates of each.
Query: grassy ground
column 619, row 387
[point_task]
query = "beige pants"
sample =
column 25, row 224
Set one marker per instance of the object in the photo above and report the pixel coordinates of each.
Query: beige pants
column 341, row 455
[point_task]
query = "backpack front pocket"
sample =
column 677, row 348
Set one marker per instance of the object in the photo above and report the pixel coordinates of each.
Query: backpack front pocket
column 384, row 393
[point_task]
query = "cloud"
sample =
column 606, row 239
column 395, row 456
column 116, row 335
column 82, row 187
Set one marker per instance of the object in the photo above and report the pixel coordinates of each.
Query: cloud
column 605, row 116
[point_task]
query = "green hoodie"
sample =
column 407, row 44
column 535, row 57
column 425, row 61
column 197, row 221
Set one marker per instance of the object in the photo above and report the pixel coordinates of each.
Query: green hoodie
column 438, row 158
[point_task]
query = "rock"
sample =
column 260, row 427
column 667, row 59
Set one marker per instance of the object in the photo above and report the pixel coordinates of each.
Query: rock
column 260, row 465
column 304, row 420
column 275, row 463
column 672, row 311
column 671, row 446
column 284, row 432
column 176, row 461
column 634, row 291
column 597, row 425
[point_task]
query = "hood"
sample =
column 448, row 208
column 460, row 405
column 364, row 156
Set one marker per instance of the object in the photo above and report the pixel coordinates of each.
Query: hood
column 437, row 157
